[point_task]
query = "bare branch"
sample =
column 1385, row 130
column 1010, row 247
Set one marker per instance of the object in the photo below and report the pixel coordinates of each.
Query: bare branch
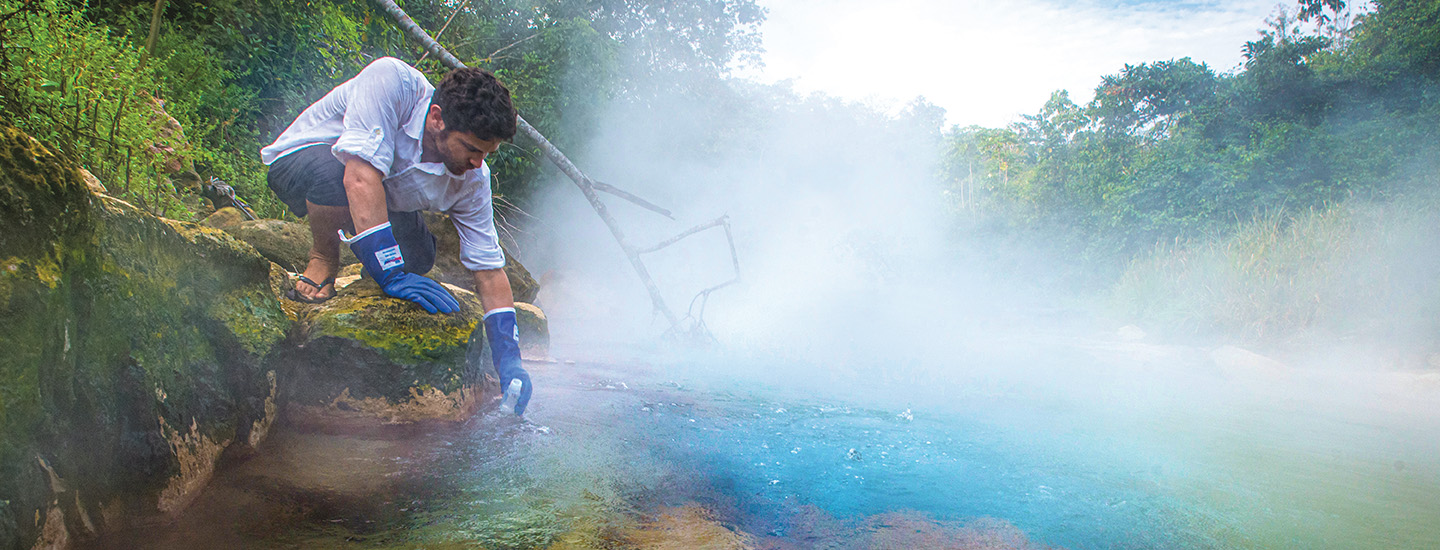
column 611, row 189
column 442, row 29
column 492, row 55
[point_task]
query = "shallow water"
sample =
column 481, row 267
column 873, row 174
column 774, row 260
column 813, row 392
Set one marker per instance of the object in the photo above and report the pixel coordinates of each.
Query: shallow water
column 1096, row 453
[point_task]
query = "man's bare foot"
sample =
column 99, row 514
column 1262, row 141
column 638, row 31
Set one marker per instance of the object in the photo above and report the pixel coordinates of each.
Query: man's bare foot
column 317, row 284
column 313, row 291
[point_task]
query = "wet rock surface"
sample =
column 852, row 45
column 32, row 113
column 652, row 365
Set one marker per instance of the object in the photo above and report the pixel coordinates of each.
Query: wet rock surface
column 133, row 353
column 281, row 241
column 287, row 243
column 137, row 351
column 364, row 360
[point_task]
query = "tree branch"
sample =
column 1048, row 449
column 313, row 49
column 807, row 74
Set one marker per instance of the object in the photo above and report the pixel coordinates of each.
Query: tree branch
column 442, row 30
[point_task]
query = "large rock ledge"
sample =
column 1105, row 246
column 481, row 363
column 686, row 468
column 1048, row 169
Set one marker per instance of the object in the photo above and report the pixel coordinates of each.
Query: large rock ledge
column 132, row 354
column 364, row 360
column 135, row 351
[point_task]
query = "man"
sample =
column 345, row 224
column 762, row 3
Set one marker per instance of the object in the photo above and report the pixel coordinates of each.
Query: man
column 373, row 153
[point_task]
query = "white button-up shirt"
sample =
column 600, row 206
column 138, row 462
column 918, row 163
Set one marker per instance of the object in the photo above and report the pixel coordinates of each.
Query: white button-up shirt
column 379, row 116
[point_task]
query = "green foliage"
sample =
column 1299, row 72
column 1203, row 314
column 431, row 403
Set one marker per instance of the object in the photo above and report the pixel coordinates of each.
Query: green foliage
column 83, row 91
column 564, row 60
column 235, row 73
column 1401, row 39
column 1172, row 149
column 1171, row 186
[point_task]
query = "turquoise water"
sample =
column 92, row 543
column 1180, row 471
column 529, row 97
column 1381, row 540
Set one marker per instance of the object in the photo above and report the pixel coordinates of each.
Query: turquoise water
column 1085, row 455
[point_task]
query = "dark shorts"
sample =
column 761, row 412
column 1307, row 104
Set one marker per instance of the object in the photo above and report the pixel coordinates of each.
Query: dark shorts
column 313, row 174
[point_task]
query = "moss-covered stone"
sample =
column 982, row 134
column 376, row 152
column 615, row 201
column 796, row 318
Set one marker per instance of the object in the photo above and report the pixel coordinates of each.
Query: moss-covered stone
column 117, row 325
column 224, row 218
column 534, row 329
column 284, row 242
column 364, row 358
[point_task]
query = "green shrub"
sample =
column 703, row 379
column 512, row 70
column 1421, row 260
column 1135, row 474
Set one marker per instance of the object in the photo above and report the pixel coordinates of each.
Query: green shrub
column 85, row 93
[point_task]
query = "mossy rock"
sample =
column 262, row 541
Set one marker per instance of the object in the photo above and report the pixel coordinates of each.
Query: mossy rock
column 133, row 352
column 224, row 218
column 364, row 359
column 448, row 268
column 534, row 329
column 284, row 242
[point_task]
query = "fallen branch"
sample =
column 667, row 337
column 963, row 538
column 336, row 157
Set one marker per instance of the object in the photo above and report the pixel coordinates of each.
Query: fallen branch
column 686, row 233
column 611, row 189
column 492, row 55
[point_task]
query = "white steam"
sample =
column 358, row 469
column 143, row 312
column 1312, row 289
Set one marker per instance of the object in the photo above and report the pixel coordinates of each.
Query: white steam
column 841, row 227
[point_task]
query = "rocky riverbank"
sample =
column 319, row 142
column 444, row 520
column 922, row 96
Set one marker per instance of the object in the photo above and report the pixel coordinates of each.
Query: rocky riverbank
column 137, row 350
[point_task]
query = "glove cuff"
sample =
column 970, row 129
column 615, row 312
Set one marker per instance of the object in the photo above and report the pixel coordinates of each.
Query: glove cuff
column 377, row 250
column 504, row 337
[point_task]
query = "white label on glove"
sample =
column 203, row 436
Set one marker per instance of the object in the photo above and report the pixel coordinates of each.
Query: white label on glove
column 390, row 257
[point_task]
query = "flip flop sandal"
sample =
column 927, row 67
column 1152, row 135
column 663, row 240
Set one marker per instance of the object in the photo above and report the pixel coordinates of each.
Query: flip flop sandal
column 294, row 295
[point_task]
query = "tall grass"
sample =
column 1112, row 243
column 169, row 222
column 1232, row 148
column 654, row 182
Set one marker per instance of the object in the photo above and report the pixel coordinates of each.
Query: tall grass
column 1358, row 271
column 86, row 94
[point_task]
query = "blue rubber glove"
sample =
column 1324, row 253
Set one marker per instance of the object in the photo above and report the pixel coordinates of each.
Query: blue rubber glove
column 380, row 255
column 504, row 338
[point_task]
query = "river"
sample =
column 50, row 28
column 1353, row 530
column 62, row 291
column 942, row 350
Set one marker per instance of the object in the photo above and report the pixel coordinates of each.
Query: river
column 1068, row 444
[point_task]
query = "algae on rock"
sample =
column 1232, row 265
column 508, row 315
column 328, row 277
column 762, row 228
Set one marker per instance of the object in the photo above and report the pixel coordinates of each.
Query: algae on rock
column 118, row 324
column 363, row 358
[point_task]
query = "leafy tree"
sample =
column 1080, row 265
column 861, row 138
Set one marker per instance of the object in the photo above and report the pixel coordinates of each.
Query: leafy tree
column 1149, row 98
column 1171, row 149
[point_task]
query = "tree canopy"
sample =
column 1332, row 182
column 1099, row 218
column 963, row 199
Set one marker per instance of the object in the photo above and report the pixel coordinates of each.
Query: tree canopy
column 1171, row 149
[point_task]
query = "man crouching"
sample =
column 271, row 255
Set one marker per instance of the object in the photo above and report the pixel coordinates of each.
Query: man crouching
column 374, row 152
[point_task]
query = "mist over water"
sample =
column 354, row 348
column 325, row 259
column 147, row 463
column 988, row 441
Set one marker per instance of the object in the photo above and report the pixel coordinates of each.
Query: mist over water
column 837, row 213
column 876, row 384
column 858, row 290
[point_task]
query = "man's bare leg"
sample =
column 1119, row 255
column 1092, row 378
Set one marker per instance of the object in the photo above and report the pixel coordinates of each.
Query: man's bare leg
column 325, row 248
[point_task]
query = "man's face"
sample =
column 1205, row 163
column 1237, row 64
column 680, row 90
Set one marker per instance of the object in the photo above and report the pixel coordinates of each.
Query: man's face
column 462, row 152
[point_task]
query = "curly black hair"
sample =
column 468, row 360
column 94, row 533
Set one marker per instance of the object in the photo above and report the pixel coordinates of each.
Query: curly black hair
column 473, row 101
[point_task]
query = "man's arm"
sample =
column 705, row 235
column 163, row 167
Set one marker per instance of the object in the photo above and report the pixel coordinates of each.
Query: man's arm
column 493, row 286
column 374, row 242
column 365, row 192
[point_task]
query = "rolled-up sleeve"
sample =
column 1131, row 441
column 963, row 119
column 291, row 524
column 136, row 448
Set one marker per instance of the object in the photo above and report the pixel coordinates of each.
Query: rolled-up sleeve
column 373, row 106
column 474, row 219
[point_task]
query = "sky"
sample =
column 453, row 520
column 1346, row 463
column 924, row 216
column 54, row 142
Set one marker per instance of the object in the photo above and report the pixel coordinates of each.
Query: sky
column 987, row 63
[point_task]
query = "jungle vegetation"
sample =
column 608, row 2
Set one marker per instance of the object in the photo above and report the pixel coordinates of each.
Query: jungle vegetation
column 1289, row 200
column 1272, row 201
column 77, row 73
